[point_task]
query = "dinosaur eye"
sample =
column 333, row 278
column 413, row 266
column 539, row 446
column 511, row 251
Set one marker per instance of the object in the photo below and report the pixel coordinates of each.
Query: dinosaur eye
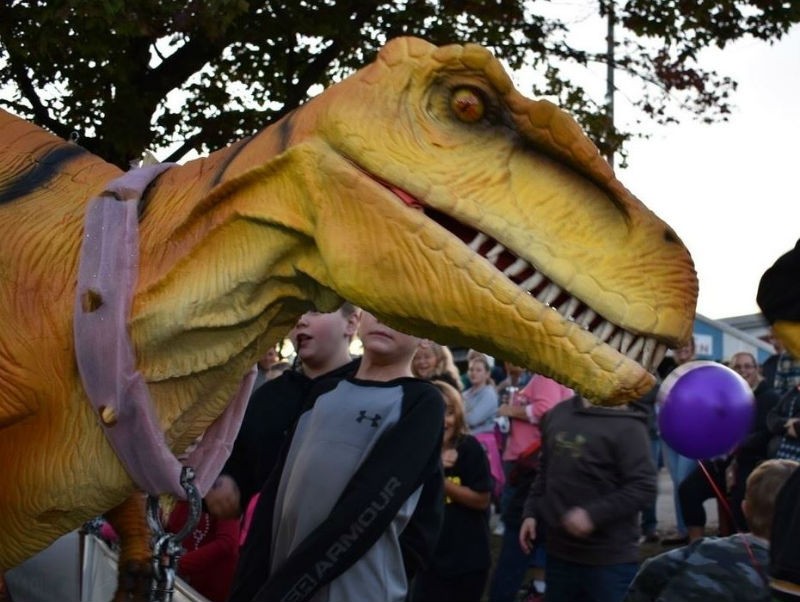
column 467, row 104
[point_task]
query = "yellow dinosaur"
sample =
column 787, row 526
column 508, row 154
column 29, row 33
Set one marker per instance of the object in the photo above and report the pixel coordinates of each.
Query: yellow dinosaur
column 423, row 188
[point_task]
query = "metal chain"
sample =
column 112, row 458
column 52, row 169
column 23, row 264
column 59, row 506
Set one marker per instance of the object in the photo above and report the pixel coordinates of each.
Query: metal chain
column 167, row 546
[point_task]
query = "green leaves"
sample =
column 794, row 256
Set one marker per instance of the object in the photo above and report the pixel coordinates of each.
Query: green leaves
column 195, row 74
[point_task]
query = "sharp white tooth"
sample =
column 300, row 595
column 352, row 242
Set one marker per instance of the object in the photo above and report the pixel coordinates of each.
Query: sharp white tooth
column 479, row 240
column 532, row 282
column 635, row 349
column 627, row 339
column 515, row 268
column 647, row 353
column 586, row 319
column 568, row 308
column 658, row 355
column 615, row 340
column 550, row 293
column 604, row 330
column 495, row 252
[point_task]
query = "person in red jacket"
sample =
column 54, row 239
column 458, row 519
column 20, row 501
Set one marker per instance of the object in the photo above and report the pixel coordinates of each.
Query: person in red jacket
column 212, row 551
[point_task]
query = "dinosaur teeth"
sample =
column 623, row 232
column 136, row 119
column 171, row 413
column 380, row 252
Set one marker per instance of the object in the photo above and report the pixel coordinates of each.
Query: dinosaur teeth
column 549, row 294
column 568, row 308
column 532, row 282
column 516, row 268
column 478, row 241
column 604, row 330
column 587, row 318
column 495, row 253
column 646, row 351
column 636, row 349
column 627, row 339
column 658, row 356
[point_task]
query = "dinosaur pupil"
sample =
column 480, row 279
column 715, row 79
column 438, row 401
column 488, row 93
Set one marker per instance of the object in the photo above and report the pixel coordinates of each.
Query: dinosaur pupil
column 467, row 105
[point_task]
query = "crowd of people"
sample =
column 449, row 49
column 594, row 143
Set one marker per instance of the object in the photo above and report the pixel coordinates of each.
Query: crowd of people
column 377, row 478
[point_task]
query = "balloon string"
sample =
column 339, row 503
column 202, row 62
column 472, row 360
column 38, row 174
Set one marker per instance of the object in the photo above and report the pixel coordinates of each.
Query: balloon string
column 726, row 506
column 723, row 499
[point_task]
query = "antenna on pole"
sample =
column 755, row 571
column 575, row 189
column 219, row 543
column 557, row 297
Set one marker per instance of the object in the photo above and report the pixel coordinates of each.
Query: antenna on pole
column 610, row 67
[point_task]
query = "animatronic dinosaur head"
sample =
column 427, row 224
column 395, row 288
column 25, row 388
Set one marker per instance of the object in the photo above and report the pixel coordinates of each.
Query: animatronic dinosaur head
column 524, row 244
column 423, row 188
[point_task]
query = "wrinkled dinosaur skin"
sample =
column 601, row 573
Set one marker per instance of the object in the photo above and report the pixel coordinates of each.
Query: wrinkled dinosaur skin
column 366, row 193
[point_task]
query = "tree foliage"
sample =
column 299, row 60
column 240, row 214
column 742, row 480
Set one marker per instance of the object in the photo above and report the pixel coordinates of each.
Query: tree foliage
column 197, row 74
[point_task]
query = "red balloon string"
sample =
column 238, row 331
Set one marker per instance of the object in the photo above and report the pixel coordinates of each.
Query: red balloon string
column 726, row 506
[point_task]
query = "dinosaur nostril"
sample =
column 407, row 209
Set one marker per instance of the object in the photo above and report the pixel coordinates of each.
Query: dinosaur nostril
column 670, row 236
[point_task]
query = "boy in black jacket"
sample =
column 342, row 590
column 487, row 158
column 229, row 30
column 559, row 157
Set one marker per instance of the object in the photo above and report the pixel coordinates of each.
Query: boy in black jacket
column 355, row 505
column 596, row 475
column 322, row 343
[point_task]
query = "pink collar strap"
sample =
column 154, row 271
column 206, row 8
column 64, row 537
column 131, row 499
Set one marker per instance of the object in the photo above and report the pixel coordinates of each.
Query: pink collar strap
column 109, row 264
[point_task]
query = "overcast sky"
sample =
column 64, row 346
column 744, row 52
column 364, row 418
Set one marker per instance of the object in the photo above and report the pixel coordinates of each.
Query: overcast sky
column 730, row 190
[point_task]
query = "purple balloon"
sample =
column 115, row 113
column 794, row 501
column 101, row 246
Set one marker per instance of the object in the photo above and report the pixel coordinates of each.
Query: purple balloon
column 706, row 409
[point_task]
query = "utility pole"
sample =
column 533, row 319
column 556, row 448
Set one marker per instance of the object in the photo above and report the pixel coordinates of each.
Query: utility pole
column 610, row 67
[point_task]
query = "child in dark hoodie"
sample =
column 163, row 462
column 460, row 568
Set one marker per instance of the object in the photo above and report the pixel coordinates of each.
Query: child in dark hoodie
column 596, row 475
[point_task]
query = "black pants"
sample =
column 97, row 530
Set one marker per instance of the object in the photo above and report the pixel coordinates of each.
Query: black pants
column 744, row 467
column 696, row 489
column 432, row 587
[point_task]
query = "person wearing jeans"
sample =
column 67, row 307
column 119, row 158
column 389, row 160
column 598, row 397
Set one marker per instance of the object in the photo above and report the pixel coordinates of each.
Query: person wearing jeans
column 525, row 410
column 596, row 475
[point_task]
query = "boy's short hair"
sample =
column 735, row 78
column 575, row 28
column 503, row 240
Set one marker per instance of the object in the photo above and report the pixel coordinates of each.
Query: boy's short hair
column 348, row 309
column 763, row 486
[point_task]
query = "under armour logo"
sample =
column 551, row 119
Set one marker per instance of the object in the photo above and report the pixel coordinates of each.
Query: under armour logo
column 375, row 420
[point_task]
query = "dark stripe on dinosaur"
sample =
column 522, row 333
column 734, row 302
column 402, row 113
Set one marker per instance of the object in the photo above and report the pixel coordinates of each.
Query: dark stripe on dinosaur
column 41, row 172
column 144, row 202
column 285, row 131
column 239, row 147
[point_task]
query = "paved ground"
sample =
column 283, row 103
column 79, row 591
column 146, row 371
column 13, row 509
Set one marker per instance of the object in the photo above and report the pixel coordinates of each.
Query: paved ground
column 665, row 506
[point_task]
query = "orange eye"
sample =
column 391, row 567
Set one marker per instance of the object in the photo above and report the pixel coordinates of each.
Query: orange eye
column 467, row 104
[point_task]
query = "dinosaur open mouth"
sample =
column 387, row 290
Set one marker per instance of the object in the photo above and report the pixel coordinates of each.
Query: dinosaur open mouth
column 647, row 351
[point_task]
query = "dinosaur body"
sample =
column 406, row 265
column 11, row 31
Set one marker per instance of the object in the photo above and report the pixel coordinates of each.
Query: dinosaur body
column 423, row 188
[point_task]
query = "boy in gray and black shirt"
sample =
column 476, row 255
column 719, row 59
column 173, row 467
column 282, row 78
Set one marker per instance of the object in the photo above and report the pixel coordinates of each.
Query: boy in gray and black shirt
column 355, row 505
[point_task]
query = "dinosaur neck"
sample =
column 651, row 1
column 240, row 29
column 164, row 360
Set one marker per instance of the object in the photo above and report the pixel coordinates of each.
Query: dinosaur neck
column 243, row 215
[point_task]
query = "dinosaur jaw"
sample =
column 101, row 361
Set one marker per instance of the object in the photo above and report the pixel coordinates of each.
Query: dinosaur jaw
column 646, row 351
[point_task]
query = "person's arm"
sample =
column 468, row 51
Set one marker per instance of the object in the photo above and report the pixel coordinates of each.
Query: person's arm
column 485, row 407
column 395, row 469
column 474, row 489
column 638, row 486
column 516, row 412
column 252, row 570
column 759, row 433
column 418, row 540
column 527, row 531
column 779, row 414
column 540, row 395
column 460, row 494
